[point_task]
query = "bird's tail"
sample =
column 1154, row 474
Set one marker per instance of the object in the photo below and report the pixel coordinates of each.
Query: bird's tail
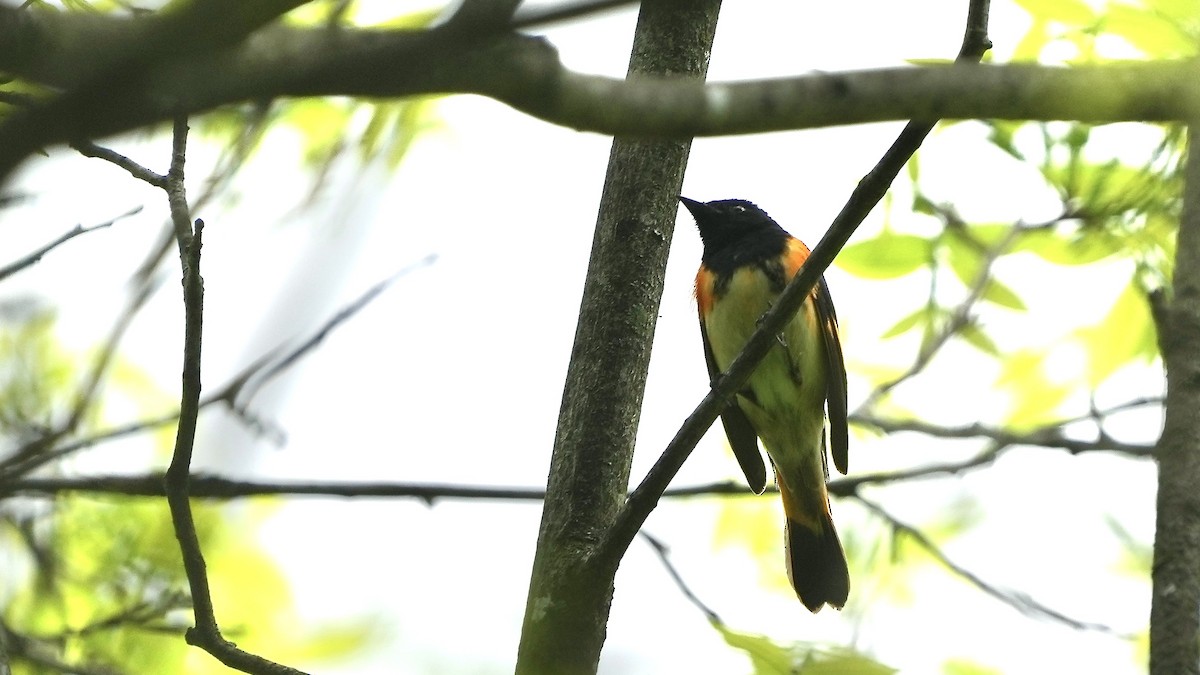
column 816, row 565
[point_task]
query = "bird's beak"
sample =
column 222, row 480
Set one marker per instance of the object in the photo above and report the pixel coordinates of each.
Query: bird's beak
column 697, row 209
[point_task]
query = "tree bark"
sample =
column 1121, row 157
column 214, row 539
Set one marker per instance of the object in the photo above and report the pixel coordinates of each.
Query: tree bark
column 1175, row 605
column 569, row 597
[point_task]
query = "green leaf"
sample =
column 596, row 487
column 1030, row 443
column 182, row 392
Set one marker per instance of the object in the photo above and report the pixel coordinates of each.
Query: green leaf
column 965, row 667
column 887, row 256
column 771, row 658
column 1030, row 46
column 1035, row 399
column 1002, row 134
column 921, row 317
column 1125, row 334
column 1178, row 10
column 1070, row 12
column 1153, row 33
column 1082, row 248
column 922, row 204
column 765, row 656
column 977, row 338
column 1138, row 556
column 331, row 643
column 968, row 263
column 754, row 525
column 999, row 294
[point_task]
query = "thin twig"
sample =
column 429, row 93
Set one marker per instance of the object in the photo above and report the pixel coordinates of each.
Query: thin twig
column 330, row 325
column 35, row 257
column 660, row 549
column 959, row 319
column 35, row 454
column 1051, row 436
column 90, row 149
column 1021, row 602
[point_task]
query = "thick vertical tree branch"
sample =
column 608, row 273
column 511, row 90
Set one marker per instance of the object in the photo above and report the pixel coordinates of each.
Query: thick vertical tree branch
column 1175, row 605
column 568, row 603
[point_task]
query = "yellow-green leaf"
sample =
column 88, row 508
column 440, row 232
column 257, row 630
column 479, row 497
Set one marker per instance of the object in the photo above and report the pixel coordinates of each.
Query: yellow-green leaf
column 887, row 256
column 766, row 657
column 1150, row 32
column 979, row 339
column 771, row 658
column 1035, row 399
column 921, row 317
column 1070, row 12
column 1125, row 334
column 965, row 667
column 1082, row 248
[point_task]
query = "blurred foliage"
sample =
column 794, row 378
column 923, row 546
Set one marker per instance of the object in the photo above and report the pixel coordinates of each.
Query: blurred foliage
column 772, row 658
column 97, row 583
column 1118, row 211
column 1083, row 31
column 34, row 370
column 965, row 667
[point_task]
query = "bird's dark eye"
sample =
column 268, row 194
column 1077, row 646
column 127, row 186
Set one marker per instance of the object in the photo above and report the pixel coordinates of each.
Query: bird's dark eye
column 738, row 208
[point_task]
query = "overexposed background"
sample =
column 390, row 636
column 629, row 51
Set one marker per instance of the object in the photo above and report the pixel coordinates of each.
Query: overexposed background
column 455, row 373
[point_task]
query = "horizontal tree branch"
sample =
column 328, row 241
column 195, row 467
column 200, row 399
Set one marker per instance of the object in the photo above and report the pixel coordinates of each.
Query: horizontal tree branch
column 526, row 73
column 1050, row 436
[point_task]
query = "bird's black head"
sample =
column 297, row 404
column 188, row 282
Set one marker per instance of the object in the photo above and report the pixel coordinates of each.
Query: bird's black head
column 736, row 228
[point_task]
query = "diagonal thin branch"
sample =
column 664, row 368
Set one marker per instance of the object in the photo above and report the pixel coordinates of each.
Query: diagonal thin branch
column 35, row 257
column 344, row 314
column 90, row 149
column 1021, row 602
column 34, row 454
column 664, row 556
column 866, row 195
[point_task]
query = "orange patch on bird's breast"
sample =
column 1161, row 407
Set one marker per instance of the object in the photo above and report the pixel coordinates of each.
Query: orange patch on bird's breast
column 705, row 282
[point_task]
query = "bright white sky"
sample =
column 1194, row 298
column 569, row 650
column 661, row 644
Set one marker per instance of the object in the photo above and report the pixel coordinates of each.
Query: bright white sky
column 455, row 374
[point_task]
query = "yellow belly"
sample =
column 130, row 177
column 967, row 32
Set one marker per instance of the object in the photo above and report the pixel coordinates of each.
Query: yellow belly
column 787, row 390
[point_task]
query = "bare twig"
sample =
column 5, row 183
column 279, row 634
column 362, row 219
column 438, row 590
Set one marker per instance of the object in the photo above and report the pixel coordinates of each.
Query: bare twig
column 1051, row 436
column 206, row 634
column 1021, row 602
column 959, row 319
column 664, row 556
column 36, row 453
column 288, row 360
column 90, row 149
column 33, row 258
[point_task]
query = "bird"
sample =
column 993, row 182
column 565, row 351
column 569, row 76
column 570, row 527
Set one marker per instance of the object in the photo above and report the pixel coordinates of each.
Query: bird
column 748, row 259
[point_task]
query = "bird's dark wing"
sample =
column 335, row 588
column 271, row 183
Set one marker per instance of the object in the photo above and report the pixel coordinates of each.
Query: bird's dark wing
column 742, row 437
column 836, row 377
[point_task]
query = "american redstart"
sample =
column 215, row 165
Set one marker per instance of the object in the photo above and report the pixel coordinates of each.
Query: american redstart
column 748, row 259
